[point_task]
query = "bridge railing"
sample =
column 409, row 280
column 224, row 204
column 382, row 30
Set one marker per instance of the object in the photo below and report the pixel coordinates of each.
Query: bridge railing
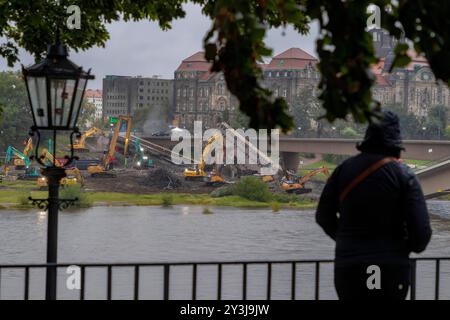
column 22, row 277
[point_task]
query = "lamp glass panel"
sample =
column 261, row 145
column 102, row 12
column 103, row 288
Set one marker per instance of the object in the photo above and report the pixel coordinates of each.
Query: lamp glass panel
column 37, row 90
column 79, row 93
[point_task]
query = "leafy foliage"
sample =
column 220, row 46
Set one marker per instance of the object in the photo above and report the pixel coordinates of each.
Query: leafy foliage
column 16, row 117
column 86, row 116
column 235, row 43
column 447, row 132
column 252, row 188
column 72, row 192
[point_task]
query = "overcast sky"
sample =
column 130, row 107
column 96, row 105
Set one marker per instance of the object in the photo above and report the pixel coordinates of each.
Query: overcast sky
column 142, row 48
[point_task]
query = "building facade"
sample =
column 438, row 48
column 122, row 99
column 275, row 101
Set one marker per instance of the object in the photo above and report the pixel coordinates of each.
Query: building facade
column 414, row 87
column 202, row 95
column 95, row 97
column 123, row 95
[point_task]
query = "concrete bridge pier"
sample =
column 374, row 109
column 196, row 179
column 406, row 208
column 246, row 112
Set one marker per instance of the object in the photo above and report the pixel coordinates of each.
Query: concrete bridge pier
column 290, row 161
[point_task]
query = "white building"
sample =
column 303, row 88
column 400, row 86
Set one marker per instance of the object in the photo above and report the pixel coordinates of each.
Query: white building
column 96, row 98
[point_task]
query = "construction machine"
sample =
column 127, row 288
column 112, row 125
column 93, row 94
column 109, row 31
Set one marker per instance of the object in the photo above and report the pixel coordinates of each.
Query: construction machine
column 292, row 183
column 101, row 170
column 198, row 172
column 253, row 148
column 19, row 163
column 143, row 161
column 50, row 159
column 73, row 177
column 30, row 172
column 80, row 144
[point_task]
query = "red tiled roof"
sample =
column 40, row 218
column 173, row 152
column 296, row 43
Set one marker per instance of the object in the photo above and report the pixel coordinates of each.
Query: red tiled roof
column 381, row 81
column 295, row 53
column 93, row 93
column 196, row 62
column 377, row 70
column 293, row 58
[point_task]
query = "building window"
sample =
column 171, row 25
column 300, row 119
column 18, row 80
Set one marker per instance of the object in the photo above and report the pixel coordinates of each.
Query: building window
column 285, row 93
column 220, row 90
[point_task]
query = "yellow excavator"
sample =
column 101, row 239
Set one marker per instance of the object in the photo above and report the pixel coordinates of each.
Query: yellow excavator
column 101, row 170
column 292, row 183
column 212, row 178
column 80, row 144
column 73, row 175
column 18, row 162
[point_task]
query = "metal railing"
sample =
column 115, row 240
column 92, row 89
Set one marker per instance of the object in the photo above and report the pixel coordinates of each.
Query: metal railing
column 219, row 283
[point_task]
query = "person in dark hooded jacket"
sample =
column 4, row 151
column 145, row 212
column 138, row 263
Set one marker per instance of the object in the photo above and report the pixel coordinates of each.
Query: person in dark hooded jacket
column 374, row 208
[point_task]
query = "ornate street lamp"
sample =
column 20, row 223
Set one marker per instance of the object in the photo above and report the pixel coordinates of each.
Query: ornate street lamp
column 55, row 89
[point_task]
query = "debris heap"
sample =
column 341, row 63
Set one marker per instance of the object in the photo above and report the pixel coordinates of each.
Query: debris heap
column 161, row 178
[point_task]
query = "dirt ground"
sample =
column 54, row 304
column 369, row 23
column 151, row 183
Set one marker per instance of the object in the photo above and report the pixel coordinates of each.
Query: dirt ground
column 137, row 181
column 164, row 177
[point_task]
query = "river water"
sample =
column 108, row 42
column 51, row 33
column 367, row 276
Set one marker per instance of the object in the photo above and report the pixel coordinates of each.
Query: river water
column 184, row 233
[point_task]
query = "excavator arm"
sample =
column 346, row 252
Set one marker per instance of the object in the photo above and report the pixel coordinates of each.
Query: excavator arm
column 311, row 174
column 46, row 155
column 28, row 147
column 13, row 152
column 101, row 170
column 81, row 142
column 207, row 150
column 213, row 178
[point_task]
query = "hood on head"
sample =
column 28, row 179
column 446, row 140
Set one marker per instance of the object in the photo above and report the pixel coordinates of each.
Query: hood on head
column 383, row 135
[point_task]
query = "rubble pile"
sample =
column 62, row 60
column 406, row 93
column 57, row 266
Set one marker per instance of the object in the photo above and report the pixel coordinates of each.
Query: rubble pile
column 161, row 178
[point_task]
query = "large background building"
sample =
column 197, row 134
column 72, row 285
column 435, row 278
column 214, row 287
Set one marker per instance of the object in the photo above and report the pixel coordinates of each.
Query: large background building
column 123, row 95
column 202, row 95
column 414, row 87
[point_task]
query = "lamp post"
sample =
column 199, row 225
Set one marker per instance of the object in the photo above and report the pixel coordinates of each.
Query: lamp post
column 55, row 88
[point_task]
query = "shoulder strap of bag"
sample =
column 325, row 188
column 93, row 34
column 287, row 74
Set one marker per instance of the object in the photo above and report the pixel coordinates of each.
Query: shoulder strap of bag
column 361, row 177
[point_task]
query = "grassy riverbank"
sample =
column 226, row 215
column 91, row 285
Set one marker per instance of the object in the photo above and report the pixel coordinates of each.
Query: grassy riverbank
column 14, row 195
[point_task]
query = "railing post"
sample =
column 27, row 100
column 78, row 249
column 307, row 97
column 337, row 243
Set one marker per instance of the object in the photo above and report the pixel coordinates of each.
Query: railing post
column 109, row 288
column 317, row 281
column 244, row 281
column 293, row 279
column 219, row 281
column 194, row 282
column 269, row 280
column 437, row 279
column 136, row 282
column 27, row 280
column 82, row 280
column 166, row 281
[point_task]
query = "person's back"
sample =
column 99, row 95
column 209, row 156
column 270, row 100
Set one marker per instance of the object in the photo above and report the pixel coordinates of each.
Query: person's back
column 374, row 208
